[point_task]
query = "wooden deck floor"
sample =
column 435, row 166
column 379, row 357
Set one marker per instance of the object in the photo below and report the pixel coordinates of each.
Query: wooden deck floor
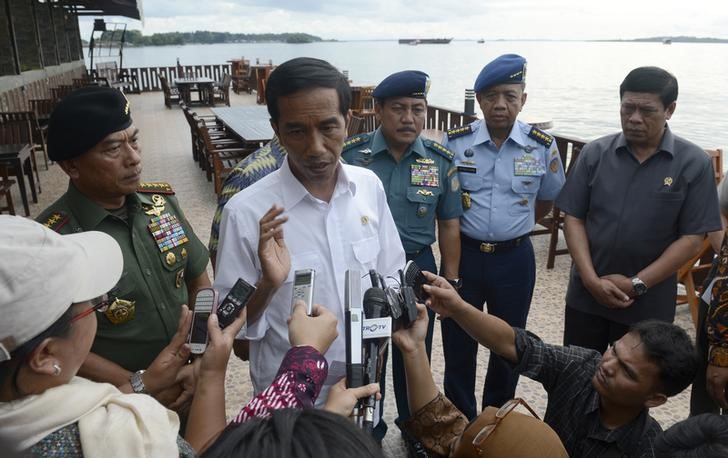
column 165, row 141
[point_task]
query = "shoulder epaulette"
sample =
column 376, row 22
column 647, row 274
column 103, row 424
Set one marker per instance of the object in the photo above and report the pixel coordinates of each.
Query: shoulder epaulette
column 356, row 140
column 56, row 221
column 459, row 132
column 541, row 136
column 439, row 149
column 159, row 187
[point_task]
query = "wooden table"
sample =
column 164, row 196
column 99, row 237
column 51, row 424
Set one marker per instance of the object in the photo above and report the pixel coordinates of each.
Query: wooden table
column 204, row 88
column 18, row 157
column 251, row 122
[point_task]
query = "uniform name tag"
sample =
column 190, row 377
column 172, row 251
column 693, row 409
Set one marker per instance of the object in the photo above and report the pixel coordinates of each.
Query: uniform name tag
column 466, row 169
column 527, row 165
column 424, row 175
column 167, row 231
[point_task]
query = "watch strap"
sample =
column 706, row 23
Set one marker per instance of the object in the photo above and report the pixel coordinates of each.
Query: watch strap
column 137, row 382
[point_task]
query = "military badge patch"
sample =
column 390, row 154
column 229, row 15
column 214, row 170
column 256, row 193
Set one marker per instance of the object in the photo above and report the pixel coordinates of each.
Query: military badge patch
column 167, row 232
column 424, row 175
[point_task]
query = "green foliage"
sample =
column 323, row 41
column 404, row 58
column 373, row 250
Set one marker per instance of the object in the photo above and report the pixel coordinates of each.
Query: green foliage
column 135, row 38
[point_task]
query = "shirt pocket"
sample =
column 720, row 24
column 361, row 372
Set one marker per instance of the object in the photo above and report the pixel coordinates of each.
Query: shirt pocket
column 421, row 206
column 470, row 181
column 664, row 207
column 366, row 252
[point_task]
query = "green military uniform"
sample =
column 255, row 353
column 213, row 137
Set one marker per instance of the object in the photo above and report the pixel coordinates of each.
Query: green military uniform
column 419, row 188
column 160, row 251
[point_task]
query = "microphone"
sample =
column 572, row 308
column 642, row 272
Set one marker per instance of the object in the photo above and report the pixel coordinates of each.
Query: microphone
column 353, row 317
column 375, row 306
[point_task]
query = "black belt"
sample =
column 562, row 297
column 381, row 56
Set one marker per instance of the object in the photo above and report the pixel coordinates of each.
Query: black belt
column 413, row 254
column 492, row 247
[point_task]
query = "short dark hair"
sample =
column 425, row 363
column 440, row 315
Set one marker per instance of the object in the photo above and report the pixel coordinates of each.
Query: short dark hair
column 701, row 436
column 295, row 433
column 305, row 73
column 653, row 80
column 670, row 348
column 10, row 369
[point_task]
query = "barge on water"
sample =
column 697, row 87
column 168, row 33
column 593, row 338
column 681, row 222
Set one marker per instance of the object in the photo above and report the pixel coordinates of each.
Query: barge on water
column 424, row 41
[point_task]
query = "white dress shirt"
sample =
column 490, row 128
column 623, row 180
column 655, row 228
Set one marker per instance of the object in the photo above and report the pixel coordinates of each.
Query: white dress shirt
column 355, row 230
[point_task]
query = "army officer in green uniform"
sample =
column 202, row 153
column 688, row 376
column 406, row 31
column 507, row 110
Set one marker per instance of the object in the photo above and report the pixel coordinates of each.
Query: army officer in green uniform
column 92, row 137
column 421, row 185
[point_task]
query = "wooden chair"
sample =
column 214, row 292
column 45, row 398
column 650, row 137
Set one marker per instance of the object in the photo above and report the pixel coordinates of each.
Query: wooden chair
column 553, row 222
column 16, row 128
column 42, row 109
column 693, row 273
column 221, row 90
column 220, row 157
column 170, row 94
column 57, row 93
column 6, row 185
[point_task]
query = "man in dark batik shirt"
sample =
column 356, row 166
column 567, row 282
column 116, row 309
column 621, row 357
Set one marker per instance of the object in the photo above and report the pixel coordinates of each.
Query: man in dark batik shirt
column 597, row 404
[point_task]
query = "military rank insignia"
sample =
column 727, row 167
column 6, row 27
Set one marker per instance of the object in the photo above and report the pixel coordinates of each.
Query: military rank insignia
column 541, row 137
column 459, row 132
column 56, row 221
column 424, row 175
column 167, row 232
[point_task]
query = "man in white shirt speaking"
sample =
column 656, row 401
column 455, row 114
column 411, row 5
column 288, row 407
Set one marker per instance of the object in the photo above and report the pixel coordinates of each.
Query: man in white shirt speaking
column 312, row 213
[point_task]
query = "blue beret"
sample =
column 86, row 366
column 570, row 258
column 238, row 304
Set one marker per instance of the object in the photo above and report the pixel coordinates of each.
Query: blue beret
column 83, row 118
column 506, row 69
column 409, row 83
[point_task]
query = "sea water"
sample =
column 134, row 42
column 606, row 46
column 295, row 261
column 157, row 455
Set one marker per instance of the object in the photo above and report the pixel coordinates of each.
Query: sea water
column 574, row 84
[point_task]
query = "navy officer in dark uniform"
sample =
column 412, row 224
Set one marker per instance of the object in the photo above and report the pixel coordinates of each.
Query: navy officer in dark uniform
column 510, row 173
column 420, row 182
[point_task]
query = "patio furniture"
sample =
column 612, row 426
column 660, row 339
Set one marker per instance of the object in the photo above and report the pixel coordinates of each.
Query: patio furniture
column 171, row 95
column 221, row 91
column 6, row 185
column 200, row 84
column 17, row 160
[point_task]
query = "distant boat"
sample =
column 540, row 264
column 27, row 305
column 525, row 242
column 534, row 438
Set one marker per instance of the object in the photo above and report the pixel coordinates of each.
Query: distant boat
column 424, row 41
column 666, row 41
column 481, row 41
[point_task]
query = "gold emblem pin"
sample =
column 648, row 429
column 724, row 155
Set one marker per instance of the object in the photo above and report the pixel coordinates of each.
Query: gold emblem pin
column 424, row 192
column 183, row 253
column 425, row 160
column 668, row 181
column 170, row 258
column 364, row 220
column 179, row 279
column 120, row 311
column 157, row 207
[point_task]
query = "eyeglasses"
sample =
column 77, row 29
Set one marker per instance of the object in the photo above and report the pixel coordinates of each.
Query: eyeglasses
column 499, row 416
column 99, row 304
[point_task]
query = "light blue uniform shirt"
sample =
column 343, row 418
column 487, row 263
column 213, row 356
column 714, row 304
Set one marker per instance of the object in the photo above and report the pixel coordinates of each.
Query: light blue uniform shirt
column 504, row 184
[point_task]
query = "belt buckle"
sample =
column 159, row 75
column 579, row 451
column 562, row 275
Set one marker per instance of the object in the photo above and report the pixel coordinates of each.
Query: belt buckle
column 487, row 247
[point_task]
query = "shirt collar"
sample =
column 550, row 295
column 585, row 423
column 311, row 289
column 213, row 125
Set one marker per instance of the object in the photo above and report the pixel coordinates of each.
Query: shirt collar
column 293, row 191
column 667, row 144
column 88, row 213
column 483, row 136
column 379, row 144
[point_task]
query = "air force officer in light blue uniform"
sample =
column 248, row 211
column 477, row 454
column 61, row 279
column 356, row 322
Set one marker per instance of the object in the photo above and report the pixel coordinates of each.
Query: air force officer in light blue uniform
column 510, row 172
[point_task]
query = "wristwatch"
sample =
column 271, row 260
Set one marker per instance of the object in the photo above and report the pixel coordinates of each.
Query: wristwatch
column 638, row 286
column 137, row 383
column 456, row 282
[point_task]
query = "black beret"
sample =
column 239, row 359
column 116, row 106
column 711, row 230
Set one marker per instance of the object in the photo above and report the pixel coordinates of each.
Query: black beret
column 409, row 83
column 83, row 118
column 506, row 69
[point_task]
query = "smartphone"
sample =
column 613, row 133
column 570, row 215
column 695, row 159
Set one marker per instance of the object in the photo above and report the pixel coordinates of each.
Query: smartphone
column 235, row 301
column 414, row 277
column 205, row 305
column 303, row 288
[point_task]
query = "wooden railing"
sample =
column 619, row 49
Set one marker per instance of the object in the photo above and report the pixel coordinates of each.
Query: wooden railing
column 146, row 79
column 444, row 118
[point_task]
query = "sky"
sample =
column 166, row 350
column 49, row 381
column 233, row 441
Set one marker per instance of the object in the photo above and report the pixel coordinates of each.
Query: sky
column 460, row 19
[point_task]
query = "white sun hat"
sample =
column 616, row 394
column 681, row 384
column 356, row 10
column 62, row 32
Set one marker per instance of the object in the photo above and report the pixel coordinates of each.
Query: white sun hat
column 42, row 273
